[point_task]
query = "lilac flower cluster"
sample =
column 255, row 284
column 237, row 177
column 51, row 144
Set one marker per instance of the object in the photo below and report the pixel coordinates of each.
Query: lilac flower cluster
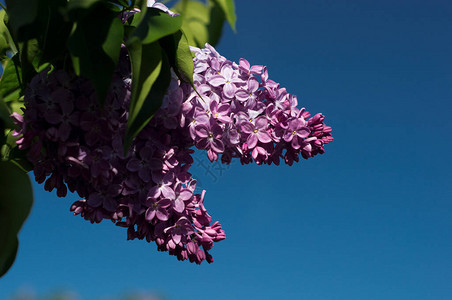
column 236, row 111
column 74, row 144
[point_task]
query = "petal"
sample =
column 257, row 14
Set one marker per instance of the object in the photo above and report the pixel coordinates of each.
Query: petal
column 211, row 155
column 244, row 65
column 224, row 119
column 191, row 247
column 161, row 214
column 307, row 147
column 143, row 173
column 154, row 192
column 264, row 137
column 185, row 195
column 227, row 72
column 242, row 95
column 165, row 203
column 217, row 145
column 251, row 141
column 256, row 69
column 202, row 144
column 261, row 122
column 247, row 127
column 67, row 105
column 202, row 131
column 155, row 164
column 168, row 192
column 53, row 117
column 253, row 85
column 296, row 142
column 64, row 131
column 150, row 214
column 168, row 179
column 179, row 205
column 217, row 80
column 110, row 204
column 133, row 165
column 223, row 109
column 288, row 136
column 229, row 89
column 95, row 200
column 176, row 238
column 303, row 132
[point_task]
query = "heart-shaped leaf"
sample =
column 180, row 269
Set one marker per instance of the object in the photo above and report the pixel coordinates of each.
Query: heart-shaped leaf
column 15, row 205
column 229, row 11
column 150, row 79
column 153, row 25
column 94, row 45
column 179, row 55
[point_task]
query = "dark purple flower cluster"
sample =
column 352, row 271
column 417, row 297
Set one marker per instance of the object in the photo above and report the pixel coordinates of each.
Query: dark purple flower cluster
column 239, row 112
column 75, row 144
column 236, row 112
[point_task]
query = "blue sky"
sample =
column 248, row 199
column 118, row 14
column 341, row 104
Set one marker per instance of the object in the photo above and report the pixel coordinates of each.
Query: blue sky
column 369, row 219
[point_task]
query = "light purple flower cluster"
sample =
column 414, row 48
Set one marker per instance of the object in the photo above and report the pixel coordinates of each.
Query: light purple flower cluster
column 236, row 112
column 239, row 112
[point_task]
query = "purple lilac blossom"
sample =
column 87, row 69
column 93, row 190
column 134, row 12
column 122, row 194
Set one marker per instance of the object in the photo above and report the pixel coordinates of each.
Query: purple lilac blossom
column 258, row 119
column 79, row 147
column 241, row 114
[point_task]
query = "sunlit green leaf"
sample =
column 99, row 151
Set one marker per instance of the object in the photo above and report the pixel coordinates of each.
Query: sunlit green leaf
column 195, row 20
column 3, row 31
column 94, row 45
column 6, row 35
column 179, row 55
column 203, row 23
column 15, row 204
column 11, row 81
column 4, row 44
column 150, row 79
column 229, row 10
column 153, row 25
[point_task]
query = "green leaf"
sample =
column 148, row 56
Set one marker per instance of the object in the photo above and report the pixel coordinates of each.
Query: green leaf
column 123, row 3
column 29, row 58
column 229, row 10
column 204, row 23
column 5, row 118
column 23, row 15
column 7, row 260
column 11, row 81
column 216, row 22
column 151, row 76
column 4, row 44
column 179, row 55
column 94, row 45
column 15, row 205
column 83, row 5
column 195, row 20
column 55, row 30
column 6, row 36
column 153, row 25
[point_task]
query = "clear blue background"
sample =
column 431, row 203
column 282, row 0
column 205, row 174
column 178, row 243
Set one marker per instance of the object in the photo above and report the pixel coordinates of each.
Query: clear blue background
column 370, row 219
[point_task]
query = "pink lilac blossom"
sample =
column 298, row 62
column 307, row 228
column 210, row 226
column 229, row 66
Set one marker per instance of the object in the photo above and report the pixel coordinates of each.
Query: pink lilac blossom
column 243, row 114
column 75, row 144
